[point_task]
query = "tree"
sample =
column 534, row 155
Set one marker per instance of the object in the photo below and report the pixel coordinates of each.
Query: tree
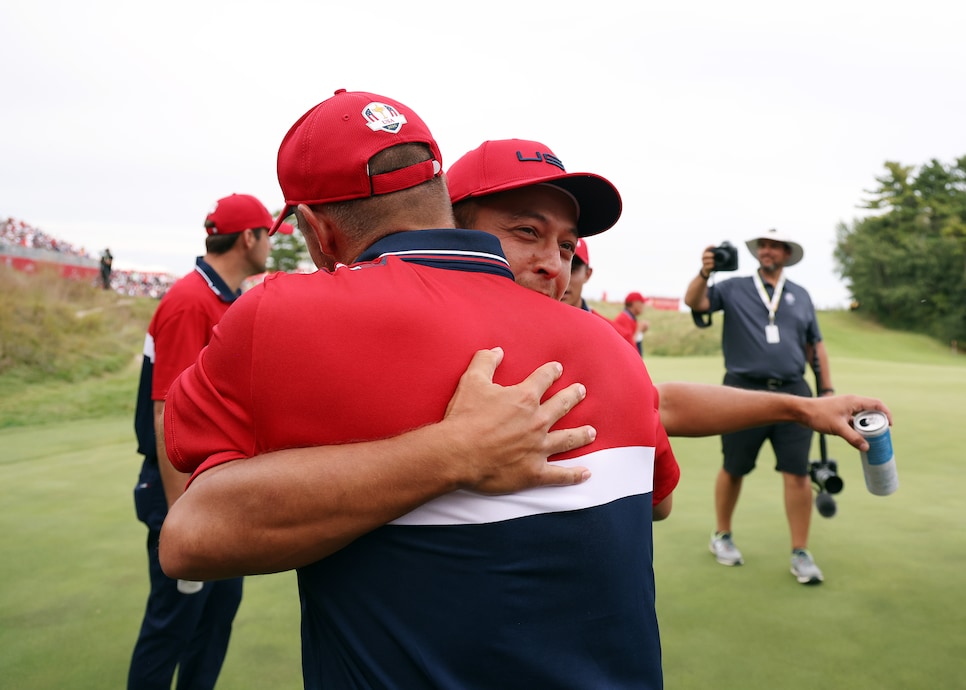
column 288, row 252
column 906, row 265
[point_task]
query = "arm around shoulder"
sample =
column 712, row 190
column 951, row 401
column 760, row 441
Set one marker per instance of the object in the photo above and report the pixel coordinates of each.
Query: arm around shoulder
column 289, row 508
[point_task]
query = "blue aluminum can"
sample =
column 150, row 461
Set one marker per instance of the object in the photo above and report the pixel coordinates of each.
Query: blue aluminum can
column 879, row 462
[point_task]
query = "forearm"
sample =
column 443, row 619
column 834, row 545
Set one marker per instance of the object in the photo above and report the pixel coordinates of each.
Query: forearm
column 172, row 480
column 696, row 409
column 287, row 509
column 825, row 375
column 696, row 296
column 693, row 409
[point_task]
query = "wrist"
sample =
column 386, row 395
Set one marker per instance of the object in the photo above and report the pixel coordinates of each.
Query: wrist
column 704, row 276
column 825, row 391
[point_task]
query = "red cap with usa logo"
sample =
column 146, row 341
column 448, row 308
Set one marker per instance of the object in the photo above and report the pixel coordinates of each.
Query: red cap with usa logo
column 505, row 164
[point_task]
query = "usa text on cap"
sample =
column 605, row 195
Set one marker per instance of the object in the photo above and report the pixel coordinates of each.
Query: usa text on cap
column 505, row 164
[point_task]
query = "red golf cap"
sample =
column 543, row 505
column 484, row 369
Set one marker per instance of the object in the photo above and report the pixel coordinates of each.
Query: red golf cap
column 581, row 251
column 285, row 229
column 634, row 297
column 237, row 213
column 502, row 165
column 325, row 155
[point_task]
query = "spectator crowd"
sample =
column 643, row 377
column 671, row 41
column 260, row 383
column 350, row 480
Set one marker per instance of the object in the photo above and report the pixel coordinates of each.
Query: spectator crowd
column 132, row 283
column 19, row 233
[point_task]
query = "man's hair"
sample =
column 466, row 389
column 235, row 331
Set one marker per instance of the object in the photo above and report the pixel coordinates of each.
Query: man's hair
column 465, row 212
column 373, row 217
column 222, row 244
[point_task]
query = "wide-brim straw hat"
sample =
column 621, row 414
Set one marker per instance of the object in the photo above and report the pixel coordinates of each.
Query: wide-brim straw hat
column 796, row 249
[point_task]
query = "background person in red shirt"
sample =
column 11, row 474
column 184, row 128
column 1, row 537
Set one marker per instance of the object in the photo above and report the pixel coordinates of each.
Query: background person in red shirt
column 187, row 625
column 629, row 322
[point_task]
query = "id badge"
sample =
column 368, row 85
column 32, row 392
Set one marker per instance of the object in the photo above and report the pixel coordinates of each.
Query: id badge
column 771, row 334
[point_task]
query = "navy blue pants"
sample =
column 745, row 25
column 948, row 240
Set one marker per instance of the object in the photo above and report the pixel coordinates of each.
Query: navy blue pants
column 187, row 632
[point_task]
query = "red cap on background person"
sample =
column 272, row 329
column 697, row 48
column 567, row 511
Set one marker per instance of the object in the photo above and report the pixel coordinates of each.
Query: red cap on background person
column 633, row 297
column 285, row 229
column 237, row 213
column 325, row 155
column 502, row 165
column 581, row 252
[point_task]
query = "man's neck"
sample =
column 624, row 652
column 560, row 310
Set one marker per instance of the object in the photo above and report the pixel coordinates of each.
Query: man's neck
column 227, row 269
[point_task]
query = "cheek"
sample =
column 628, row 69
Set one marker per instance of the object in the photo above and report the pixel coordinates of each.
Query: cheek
column 561, row 282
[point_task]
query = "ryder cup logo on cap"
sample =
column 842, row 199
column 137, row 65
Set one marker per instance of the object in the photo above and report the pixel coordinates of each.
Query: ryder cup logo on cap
column 382, row 116
column 325, row 156
column 506, row 164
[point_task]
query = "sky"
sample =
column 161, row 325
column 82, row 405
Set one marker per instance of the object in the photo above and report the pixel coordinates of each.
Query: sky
column 122, row 123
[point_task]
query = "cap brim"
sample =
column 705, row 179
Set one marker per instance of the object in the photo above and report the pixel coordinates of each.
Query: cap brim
column 796, row 254
column 280, row 220
column 600, row 202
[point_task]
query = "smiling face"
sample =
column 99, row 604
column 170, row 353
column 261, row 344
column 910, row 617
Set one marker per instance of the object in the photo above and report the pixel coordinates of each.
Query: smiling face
column 537, row 227
column 772, row 255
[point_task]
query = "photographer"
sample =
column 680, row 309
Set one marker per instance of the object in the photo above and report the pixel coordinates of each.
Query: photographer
column 770, row 331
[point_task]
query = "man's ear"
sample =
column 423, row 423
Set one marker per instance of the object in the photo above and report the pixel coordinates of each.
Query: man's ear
column 319, row 225
column 248, row 237
column 590, row 272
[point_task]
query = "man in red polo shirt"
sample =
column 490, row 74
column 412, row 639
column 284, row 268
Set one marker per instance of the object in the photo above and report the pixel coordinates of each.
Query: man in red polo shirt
column 629, row 323
column 187, row 625
column 400, row 563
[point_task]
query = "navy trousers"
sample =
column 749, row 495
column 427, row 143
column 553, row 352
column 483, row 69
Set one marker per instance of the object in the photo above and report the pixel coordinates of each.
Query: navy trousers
column 184, row 631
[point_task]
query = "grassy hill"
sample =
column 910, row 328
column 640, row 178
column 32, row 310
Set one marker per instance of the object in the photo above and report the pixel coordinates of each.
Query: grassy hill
column 69, row 351
column 846, row 334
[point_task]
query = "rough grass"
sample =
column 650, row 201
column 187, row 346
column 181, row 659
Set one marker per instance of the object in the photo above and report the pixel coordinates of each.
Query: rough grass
column 67, row 349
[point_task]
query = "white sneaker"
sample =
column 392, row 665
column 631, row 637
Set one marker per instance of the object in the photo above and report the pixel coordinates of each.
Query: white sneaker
column 804, row 568
column 724, row 549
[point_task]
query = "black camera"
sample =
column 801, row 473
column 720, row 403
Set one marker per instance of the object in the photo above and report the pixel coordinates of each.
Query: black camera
column 825, row 475
column 725, row 257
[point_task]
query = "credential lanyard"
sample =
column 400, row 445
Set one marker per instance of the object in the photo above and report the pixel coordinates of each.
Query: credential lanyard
column 770, row 304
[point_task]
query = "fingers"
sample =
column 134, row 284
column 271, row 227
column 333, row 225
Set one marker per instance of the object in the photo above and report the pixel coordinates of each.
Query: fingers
column 481, row 369
column 543, row 377
column 853, row 438
column 563, row 401
column 838, row 413
column 484, row 363
column 554, row 475
column 873, row 404
column 564, row 440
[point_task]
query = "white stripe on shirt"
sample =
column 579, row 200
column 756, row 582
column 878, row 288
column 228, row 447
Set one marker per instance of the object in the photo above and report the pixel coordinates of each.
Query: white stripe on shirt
column 616, row 473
